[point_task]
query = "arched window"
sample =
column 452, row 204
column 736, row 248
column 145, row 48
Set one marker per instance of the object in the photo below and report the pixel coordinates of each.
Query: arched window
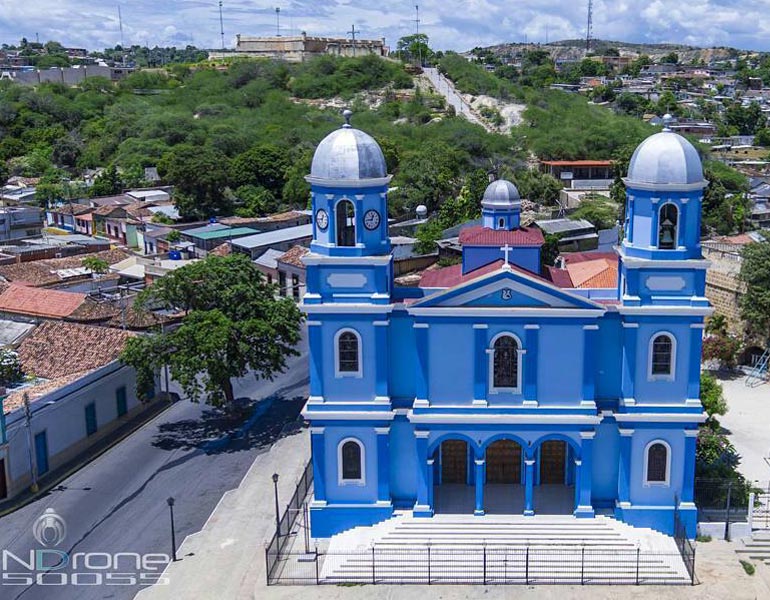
column 662, row 352
column 506, row 372
column 346, row 223
column 501, row 223
column 668, row 227
column 350, row 458
column 348, row 350
column 657, row 463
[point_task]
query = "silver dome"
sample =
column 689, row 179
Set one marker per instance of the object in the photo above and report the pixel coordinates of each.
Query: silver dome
column 666, row 160
column 348, row 154
column 501, row 194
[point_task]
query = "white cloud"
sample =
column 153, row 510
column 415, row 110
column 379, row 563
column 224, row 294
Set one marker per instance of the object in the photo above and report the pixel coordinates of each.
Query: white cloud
column 451, row 24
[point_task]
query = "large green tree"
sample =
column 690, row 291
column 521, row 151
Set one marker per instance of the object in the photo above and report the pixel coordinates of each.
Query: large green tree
column 755, row 273
column 233, row 325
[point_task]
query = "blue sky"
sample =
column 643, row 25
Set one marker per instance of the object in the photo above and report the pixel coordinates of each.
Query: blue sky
column 451, row 24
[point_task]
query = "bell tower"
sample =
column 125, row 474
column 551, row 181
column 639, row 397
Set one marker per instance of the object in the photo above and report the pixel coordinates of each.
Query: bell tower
column 661, row 261
column 350, row 260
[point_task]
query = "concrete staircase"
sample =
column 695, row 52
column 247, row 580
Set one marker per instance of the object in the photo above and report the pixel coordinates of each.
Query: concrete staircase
column 503, row 549
column 756, row 547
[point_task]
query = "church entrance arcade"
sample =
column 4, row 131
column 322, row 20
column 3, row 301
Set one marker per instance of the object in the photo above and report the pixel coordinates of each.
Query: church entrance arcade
column 549, row 476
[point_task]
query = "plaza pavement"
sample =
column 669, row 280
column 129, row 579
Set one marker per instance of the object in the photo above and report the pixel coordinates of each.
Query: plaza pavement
column 747, row 422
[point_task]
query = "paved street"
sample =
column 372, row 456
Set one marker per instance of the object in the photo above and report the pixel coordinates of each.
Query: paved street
column 117, row 503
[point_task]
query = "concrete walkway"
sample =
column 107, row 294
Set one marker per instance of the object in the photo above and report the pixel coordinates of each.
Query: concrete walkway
column 447, row 89
column 746, row 420
column 226, row 559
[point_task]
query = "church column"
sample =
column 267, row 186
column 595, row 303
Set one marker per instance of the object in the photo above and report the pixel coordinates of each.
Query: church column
column 423, row 507
column 383, row 464
column 381, row 332
column 590, row 333
column 530, row 364
column 529, row 482
column 578, row 474
column 318, row 451
column 630, row 217
column 315, row 343
column 480, row 366
column 688, row 480
column 480, row 463
column 654, row 227
column 624, row 468
column 630, row 334
column 421, row 382
column 694, row 358
column 584, row 507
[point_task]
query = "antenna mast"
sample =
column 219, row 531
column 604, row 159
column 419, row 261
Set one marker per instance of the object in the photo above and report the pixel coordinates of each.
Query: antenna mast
column 221, row 25
column 120, row 22
column 352, row 32
column 277, row 21
column 589, row 25
column 417, row 29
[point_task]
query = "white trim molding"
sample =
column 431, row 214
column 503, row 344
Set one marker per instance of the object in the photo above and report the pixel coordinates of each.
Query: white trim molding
column 667, row 481
column 691, row 433
column 587, row 435
column 661, row 417
column 361, row 481
column 338, row 373
column 626, row 432
column 317, row 430
column 503, row 419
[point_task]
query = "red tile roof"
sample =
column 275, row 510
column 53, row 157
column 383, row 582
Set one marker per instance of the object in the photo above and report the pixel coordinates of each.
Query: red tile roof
column 40, row 302
column 56, row 349
column 453, row 275
column 577, row 163
column 294, row 256
column 560, row 277
column 576, row 257
column 483, row 236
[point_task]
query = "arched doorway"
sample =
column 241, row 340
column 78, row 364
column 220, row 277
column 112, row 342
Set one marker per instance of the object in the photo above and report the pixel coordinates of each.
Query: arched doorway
column 452, row 494
column 503, row 492
column 555, row 492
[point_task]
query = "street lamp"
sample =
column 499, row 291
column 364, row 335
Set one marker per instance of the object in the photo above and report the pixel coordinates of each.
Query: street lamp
column 170, row 502
column 277, row 513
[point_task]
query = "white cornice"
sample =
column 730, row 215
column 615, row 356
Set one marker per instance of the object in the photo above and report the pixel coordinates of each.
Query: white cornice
column 503, row 419
column 664, row 187
column 319, row 259
column 667, row 311
column 463, row 311
column 348, row 183
column 346, row 308
column 661, row 417
column 348, row 415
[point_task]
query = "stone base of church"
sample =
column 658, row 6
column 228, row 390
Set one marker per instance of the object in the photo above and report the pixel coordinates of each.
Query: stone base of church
column 584, row 512
column 659, row 518
column 327, row 520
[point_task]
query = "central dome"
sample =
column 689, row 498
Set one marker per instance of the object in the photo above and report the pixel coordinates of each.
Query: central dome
column 348, row 154
column 666, row 159
column 501, row 194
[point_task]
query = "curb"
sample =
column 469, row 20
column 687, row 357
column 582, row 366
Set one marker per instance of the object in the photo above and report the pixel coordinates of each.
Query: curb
column 152, row 412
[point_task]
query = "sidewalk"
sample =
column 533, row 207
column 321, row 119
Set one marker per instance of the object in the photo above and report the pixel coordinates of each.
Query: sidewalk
column 226, row 559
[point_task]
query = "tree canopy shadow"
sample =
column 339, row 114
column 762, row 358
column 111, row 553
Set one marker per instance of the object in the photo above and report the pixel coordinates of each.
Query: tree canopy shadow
column 219, row 431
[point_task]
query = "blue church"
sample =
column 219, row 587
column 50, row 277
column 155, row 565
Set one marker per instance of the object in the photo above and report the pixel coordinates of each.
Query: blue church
column 493, row 386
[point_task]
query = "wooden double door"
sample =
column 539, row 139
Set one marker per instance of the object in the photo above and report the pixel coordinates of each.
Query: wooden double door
column 553, row 459
column 454, row 461
column 503, row 459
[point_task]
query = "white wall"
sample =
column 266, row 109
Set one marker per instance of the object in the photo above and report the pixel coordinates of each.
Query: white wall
column 61, row 414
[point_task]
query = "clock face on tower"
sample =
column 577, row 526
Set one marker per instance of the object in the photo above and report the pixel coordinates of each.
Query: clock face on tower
column 371, row 219
column 322, row 219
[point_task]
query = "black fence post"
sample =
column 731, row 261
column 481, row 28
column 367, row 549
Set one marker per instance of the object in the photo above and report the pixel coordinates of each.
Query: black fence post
column 582, row 565
column 428, row 564
column 526, row 568
column 727, row 510
column 692, row 566
column 317, row 579
column 484, row 547
column 373, row 573
column 267, row 565
column 637, row 564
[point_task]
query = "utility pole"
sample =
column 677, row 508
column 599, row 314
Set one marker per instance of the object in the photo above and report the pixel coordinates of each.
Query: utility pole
column 221, row 26
column 417, row 35
column 30, row 442
column 122, row 46
column 277, row 21
column 352, row 32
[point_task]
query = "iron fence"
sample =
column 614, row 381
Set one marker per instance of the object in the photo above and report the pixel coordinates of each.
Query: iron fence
column 684, row 544
column 274, row 549
column 519, row 565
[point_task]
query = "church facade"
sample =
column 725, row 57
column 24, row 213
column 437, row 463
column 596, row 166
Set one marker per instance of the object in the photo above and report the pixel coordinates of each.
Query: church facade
column 492, row 379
